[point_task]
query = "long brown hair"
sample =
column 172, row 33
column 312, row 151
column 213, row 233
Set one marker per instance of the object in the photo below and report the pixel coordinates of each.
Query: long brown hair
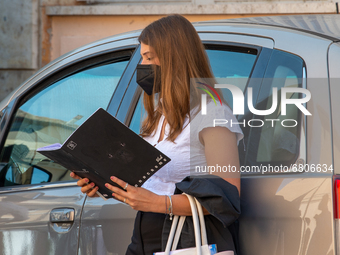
column 182, row 56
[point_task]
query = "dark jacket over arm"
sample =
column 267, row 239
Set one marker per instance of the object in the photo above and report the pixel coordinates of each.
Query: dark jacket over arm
column 221, row 199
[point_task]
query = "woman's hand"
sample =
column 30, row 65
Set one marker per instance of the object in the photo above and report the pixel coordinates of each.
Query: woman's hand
column 87, row 188
column 138, row 198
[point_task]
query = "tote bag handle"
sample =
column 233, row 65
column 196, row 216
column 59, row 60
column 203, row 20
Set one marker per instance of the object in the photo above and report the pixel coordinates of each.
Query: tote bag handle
column 199, row 227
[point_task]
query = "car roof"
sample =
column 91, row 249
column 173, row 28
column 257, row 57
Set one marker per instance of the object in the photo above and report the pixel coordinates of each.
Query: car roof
column 323, row 25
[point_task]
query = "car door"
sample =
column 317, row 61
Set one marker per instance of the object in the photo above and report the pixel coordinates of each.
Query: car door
column 40, row 205
column 229, row 56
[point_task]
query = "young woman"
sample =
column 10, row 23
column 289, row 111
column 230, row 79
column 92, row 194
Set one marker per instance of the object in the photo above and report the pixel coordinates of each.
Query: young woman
column 172, row 54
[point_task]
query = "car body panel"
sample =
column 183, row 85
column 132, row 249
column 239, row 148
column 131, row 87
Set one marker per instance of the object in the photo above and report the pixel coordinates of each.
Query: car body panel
column 109, row 223
column 300, row 211
column 321, row 25
column 334, row 81
column 25, row 225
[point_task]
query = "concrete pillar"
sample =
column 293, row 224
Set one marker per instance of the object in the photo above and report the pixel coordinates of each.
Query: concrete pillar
column 19, row 37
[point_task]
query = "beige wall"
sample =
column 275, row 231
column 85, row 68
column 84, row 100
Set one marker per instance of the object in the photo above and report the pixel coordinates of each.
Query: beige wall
column 71, row 32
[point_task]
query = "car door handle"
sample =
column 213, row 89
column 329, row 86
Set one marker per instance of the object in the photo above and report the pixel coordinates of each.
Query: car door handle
column 62, row 215
column 62, row 219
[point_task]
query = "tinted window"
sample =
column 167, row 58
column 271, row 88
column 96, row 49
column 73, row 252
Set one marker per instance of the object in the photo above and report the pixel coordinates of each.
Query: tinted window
column 50, row 116
column 234, row 63
column 278, row 140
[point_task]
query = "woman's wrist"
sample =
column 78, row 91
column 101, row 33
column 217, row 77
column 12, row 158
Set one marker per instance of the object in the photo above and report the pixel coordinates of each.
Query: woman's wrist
column 163, row 204
column 158, row 204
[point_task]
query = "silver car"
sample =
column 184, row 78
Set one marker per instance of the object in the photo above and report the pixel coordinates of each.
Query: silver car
column 290, row 191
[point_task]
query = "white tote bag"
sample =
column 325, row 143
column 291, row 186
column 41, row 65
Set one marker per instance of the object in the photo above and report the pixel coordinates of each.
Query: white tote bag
column 202, row 247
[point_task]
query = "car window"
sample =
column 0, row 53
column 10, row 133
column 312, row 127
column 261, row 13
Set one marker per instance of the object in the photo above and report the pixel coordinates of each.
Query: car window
column 50, row 116
column 226, row 62
column 276, row 140
column 233, row 63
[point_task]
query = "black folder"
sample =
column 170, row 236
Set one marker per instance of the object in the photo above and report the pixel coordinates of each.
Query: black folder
column 103, row 147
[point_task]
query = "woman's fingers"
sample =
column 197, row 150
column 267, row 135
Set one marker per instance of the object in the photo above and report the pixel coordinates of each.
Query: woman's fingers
column 90, row 189
column 116, row 190
column 93, row 193
column 138, row 198
column 121, row 195
column 74, row 176
column 87, row 188
column 83, row 182
column 120, row 182
column 121, row 198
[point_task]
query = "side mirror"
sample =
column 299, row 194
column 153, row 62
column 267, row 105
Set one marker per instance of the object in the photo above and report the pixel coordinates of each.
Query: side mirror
column 32, row 175
column 40, row 176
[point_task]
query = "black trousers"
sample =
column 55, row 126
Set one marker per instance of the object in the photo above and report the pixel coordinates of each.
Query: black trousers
column 147, row 234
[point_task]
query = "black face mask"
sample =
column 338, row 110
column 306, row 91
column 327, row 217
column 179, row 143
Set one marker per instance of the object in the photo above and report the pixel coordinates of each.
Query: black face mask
column 146, row 78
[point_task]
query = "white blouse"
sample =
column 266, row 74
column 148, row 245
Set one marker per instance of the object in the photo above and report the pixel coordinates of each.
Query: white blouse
column 187, row 152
